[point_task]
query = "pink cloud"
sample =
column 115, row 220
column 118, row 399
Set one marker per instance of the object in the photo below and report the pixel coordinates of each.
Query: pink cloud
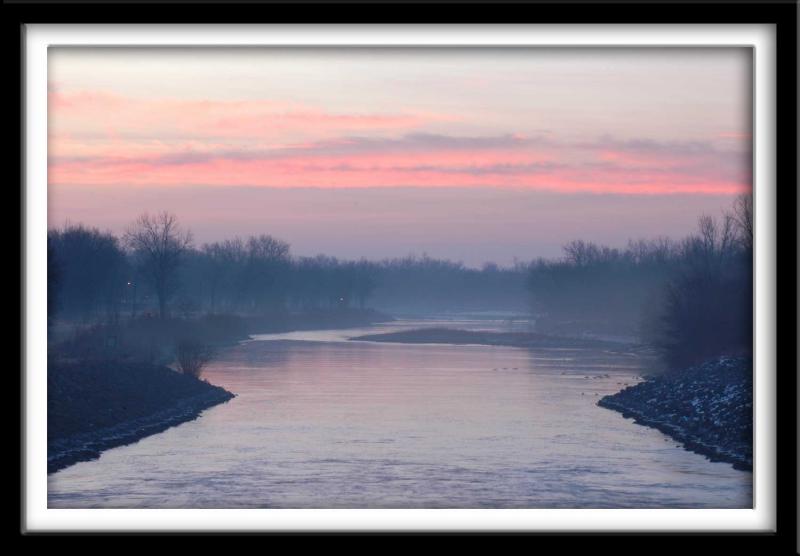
column 88, row 113
column 98, row 138
column 433, row 169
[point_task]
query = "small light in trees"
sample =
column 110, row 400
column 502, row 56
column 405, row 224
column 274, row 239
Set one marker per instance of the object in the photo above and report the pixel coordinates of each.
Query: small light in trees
column 160, row 245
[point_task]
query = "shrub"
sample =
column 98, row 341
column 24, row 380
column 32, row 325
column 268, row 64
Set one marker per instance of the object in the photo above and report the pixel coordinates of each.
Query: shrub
column 191, row 356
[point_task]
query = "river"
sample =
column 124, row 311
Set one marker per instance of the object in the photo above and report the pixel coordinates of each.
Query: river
column 323, row 422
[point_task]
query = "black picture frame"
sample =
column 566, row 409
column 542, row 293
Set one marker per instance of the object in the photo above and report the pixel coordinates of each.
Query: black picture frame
column 782, row 14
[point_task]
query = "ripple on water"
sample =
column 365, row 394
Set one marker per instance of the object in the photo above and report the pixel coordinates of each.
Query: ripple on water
column 323, row 423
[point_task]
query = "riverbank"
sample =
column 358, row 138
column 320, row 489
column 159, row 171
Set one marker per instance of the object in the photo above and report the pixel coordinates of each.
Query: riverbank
column 510, row 339
column 96, row 405
column 708, row 408
column 324, row 423
column 149, row 338
column 109, row 385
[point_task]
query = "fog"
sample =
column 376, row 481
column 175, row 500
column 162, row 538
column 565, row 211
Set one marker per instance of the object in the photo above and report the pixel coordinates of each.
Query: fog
column 694, row 291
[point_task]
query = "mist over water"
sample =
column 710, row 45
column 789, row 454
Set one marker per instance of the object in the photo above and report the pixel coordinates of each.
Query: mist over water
column 321, row 422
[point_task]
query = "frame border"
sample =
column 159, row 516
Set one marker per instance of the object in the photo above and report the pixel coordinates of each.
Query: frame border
column 785, row 148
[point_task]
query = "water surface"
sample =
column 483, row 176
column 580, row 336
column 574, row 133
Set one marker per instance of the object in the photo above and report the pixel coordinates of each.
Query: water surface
column 321, row 422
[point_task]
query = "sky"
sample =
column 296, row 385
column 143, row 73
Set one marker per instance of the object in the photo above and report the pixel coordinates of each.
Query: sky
column 472, row 154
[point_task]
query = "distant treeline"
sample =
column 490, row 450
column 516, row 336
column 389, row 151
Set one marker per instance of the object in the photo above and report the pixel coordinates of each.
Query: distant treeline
column 600, row 288
column 97, row 276
column 424, row 285
column 691, row 298
column 94, row 276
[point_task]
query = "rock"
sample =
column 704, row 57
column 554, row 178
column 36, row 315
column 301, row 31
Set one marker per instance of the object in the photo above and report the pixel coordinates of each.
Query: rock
column 97, row 405
column 707, row 407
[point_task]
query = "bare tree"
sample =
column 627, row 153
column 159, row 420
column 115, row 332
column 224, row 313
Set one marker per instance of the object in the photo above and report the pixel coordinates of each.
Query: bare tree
column 160, row 243
column 580, row 252
column 192, row 356
column 709, row 234
column 707, row 304
column 743, row 216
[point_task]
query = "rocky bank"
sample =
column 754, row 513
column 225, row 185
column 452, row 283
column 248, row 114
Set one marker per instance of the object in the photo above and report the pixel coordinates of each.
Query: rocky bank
column 96, row 405
column 708, row 408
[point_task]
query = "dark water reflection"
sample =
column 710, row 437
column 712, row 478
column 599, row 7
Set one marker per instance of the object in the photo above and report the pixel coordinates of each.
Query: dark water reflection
column 320, row 422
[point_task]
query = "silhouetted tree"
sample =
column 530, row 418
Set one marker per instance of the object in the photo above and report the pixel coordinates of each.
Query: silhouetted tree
column 224, row 263
column 91, row 270
column 707, row 305
column 158, row 243
column 364, row 281
column 266, row 272
column 743, row 217
column 191, row 356
column 53, row 281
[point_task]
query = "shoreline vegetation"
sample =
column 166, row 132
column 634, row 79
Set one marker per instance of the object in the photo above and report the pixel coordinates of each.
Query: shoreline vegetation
column 110, row 385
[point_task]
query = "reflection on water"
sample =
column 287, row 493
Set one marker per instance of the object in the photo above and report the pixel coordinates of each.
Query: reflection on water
column 320, row 422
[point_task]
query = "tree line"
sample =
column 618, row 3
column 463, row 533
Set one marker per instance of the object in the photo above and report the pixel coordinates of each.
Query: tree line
column 156, row 268
column 690, row 298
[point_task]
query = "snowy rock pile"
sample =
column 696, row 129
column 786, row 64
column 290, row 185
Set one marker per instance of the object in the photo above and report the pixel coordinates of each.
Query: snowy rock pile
column 708, row 408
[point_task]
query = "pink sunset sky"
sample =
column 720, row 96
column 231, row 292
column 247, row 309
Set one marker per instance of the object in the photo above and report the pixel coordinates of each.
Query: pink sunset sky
column 469, row 154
